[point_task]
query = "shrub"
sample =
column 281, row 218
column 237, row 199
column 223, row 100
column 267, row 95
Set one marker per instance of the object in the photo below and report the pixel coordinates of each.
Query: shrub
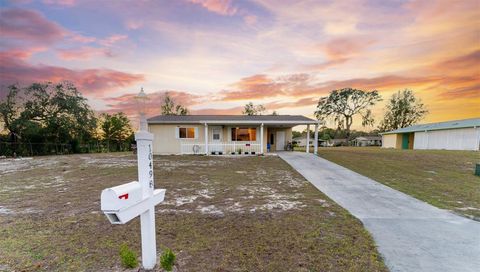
column 128, row 257
column 167, row 259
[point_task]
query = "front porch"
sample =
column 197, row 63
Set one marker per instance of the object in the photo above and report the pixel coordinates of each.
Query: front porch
column 222, row 148
column 242, row 139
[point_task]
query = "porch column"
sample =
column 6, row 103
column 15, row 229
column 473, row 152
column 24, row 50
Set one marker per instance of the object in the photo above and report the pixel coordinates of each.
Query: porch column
column 307, row 145
column 206, row 139
column 261, row 139
column 315, row 144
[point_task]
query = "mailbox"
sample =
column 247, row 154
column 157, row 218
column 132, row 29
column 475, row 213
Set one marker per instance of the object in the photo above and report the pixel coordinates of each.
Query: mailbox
column 124, row 202
column 120, row 197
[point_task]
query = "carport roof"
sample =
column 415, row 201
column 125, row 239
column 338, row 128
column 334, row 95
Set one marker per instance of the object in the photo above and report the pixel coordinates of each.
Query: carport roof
column 232, row 119
column 466, row 123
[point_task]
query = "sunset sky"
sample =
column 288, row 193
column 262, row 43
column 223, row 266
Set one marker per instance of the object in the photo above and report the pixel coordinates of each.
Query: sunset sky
column 216, row 55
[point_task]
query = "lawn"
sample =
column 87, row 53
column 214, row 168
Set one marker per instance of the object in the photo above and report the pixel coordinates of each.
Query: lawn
column 442, row 178
column 219, row 214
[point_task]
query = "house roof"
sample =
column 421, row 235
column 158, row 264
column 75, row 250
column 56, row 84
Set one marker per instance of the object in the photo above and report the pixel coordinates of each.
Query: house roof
column 232, row 119
column 466, row 123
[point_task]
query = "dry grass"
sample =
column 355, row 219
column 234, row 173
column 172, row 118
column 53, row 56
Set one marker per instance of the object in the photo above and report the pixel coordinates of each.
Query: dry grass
column 442, row 178
column 220, row 214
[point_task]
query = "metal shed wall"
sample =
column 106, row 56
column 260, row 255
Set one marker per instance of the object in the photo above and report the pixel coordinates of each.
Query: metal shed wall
column 449, row 139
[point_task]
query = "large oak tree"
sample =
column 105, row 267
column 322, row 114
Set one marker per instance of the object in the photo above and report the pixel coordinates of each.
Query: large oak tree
column 342, row 105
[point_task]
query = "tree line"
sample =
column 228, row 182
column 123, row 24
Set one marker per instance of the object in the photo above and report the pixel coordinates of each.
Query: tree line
column 55, row 118
column 41, row 117
column 403, row 109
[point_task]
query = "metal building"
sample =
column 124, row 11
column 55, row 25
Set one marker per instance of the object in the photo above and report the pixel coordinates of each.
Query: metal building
column 451, row 135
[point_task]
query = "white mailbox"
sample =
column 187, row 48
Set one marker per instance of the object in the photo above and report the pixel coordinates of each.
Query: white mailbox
column 124, row 202
column 120, row 197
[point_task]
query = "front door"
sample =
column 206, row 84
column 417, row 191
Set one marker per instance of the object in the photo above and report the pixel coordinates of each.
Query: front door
column 216, row 140
column 280, row 145
column 405, row 140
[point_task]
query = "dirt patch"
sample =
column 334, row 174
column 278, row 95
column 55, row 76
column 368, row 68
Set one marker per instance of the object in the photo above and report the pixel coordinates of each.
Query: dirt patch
column 219, row 214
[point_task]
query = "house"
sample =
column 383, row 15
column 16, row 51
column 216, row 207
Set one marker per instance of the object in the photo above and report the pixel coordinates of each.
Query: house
column 451, row 135
column 302, row 140
column 368, row 141
column 224, row 134
column 337, row 142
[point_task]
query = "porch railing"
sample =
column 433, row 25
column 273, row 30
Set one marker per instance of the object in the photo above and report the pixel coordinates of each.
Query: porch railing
column 222, row 148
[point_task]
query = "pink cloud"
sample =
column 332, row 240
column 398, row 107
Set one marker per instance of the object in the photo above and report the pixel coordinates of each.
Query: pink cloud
column 250, row 19
column 222, row 7
column 81, row 38
column 29, row 26
column 89, row 81
column 111, row 40
column 133, row 24
column 83, row 53
column 127, row 104
column 68, row 3
column 228, row 111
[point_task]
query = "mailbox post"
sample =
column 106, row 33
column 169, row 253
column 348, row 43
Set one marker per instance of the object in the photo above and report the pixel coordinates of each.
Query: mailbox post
column 124, row 202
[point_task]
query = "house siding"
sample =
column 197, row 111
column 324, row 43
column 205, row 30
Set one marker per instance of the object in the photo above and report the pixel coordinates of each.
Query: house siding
column 165, row 141
column 452, row 139
column 392, row 141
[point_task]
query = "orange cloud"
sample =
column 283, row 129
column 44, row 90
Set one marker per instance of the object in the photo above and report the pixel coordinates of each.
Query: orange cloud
column 303, row 102
column 261, row 86
column 340, row 50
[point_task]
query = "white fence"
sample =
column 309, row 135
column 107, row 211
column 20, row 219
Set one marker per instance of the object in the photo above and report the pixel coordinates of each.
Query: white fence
column 232, row 148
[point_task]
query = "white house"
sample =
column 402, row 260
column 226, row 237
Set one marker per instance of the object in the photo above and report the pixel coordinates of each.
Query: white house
column 224, row 134
column 368, row 141
column 451, row 135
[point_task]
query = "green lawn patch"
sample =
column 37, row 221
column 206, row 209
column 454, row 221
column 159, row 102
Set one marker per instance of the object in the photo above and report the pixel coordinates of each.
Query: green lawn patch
column 442, row 178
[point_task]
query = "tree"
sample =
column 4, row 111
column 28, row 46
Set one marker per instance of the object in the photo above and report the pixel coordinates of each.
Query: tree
column 60, row 110
column 169, row 107
column 115, row 128
column 10, row 109
column 403, row 110
column 296, row 134
column 342, row 105
column 251, row 109
column 46, row 113
column 274, row 112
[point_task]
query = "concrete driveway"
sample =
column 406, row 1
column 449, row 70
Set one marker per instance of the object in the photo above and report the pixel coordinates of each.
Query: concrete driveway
column 411, row 235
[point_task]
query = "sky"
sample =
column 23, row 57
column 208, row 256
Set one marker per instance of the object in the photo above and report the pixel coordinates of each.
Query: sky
column 214, row 56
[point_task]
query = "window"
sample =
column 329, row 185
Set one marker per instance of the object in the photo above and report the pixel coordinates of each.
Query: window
column 244, row 134
column 216, row 133
column 186, row 133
